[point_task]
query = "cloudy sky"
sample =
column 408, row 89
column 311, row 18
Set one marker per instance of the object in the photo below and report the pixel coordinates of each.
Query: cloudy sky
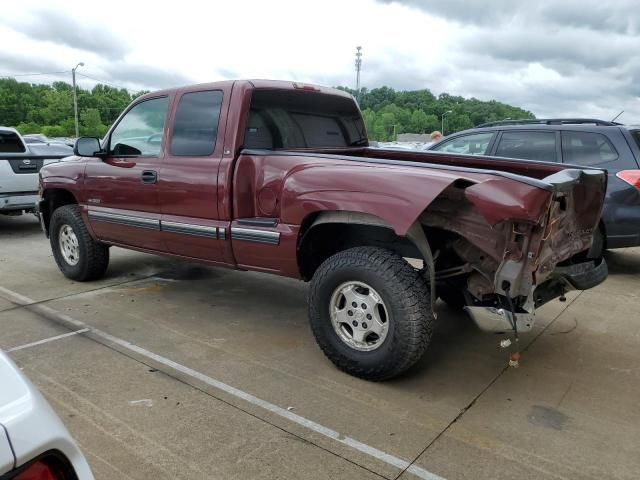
column 555, row 58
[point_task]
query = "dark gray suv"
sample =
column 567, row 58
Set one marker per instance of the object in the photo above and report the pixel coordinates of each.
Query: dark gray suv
column 584, row 142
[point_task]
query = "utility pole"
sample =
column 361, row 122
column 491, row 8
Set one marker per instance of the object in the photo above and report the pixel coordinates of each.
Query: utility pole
column 75, row 97
column 358, row 66
column 445, row 113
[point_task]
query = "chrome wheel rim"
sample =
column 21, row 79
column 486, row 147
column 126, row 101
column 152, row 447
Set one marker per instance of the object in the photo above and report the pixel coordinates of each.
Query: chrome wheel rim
column 359, row 316
column 69, row 247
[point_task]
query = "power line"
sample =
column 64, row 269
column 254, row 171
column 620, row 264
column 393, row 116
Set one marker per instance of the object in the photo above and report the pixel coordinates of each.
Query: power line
column 66, row 72
column 33, row 74
column 102, row 81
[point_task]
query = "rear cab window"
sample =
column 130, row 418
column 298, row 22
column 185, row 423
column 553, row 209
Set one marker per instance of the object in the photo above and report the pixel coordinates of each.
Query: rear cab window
column 283, row 119
column 528, row 145
column 10, row 142
column 587, row 149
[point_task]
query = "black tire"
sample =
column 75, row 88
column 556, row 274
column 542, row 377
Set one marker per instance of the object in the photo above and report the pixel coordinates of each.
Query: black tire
column 405, row 295
column 92, row 257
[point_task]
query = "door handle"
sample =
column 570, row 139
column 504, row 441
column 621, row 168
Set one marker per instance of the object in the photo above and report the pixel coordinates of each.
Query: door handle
column 149, row 176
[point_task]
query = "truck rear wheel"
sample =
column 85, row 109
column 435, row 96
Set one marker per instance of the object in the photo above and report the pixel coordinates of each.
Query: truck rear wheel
column 77, row 254
column 370, row 312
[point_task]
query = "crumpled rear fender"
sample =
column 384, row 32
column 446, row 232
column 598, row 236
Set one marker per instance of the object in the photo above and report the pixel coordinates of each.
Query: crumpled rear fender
column 399, row 195
column 396, row 196
column 500, row 199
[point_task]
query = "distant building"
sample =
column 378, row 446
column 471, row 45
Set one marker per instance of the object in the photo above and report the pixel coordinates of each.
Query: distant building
column 414, row 137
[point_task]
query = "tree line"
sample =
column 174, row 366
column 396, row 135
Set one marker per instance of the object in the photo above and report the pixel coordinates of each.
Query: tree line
column 388, row 112
column 48, row 109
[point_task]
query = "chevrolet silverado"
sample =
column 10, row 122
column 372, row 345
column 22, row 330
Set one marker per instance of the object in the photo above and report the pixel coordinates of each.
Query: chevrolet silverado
column 279, row 177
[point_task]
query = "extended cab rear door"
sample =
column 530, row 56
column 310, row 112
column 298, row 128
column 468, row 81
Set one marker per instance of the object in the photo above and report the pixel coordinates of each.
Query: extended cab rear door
column 191, row 222
column 121, row 189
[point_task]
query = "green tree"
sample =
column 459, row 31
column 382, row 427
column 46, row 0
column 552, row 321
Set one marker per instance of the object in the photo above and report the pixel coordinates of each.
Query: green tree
column 48, row 109
column 387, row 111
column 26, row 128
column 419, row 121
column 91, row 123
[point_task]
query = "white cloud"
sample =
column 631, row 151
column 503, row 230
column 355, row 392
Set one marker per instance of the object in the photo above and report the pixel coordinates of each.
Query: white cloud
column 576, row 60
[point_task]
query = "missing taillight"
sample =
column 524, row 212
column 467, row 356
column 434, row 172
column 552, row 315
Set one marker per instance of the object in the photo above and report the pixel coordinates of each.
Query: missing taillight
column 632, row 177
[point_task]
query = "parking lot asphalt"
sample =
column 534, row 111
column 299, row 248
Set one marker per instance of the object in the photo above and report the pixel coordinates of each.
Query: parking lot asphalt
column 171, row 370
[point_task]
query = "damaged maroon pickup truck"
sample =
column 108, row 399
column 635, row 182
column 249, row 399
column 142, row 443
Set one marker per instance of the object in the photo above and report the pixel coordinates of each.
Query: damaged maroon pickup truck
column 279, row 177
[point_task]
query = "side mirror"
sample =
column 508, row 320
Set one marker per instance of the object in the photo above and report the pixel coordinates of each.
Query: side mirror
column 87, row 147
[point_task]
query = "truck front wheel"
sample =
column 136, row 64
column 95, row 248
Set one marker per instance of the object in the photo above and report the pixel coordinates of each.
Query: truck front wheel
column 77, row 254
column 370, row 312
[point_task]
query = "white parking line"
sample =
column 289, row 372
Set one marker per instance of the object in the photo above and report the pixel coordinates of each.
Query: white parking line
column 247, row 397
column 47, row 340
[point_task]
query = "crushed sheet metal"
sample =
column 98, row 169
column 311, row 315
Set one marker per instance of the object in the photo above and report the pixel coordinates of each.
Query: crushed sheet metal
column 373, row 452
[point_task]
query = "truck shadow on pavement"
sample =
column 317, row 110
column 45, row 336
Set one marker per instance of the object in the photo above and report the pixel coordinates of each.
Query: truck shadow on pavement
column 255, row 300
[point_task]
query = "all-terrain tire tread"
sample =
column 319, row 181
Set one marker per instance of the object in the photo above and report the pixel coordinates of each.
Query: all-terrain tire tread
column 96, row 255
column 414, row 320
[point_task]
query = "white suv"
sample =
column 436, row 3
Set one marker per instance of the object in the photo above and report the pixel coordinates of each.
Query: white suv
column 19, row 167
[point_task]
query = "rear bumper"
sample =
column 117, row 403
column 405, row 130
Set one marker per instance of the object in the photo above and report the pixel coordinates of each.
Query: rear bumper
column 18, row 201
column 498, row 320
column 581, row 276
column 621, row 224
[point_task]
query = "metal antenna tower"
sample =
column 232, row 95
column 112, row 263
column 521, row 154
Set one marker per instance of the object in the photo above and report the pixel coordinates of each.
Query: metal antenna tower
column 358, row 67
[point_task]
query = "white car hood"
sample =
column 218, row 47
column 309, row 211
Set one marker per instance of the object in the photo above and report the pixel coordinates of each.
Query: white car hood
column 30, row 424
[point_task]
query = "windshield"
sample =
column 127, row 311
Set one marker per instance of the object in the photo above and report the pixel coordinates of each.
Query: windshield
column 291, row 119
column 10, row 143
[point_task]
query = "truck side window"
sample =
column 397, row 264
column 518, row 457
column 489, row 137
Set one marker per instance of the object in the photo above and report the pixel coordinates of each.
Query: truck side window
column 585, row 148
column 528, row 146
column 196, row 124
column 140, row 132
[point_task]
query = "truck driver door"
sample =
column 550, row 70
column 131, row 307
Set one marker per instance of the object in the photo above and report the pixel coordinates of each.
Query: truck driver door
column 122, row 188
